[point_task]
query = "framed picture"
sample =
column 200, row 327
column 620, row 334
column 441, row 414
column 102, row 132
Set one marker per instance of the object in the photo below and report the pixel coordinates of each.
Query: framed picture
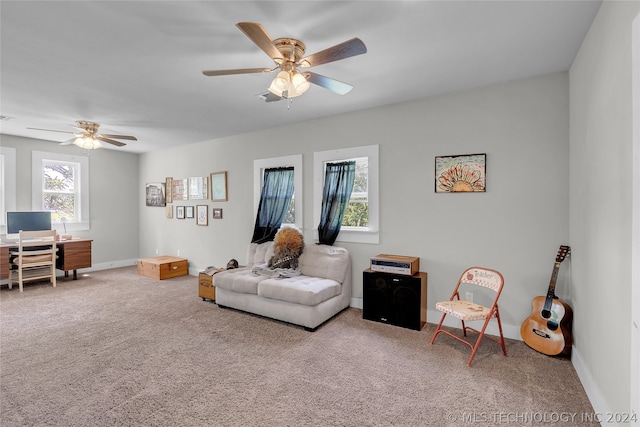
column 180, row 189
column 217, row 213
column 219, row 186
column 155, row 194
column 168, row 184
column 464, row 173
column 203, row 215
column 180, row 212
column 169, row 210
column 189, row 211
column 199, row 188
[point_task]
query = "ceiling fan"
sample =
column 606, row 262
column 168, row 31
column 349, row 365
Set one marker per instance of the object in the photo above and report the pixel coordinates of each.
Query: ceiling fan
column 288, row 55
column 87, row 136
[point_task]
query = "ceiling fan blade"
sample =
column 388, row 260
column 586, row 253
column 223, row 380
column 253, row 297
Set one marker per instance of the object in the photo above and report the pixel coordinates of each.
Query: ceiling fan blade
column 343, row 50
column 110, row 141
column 68, row 141
column 236, row 71
column 261, row 38
column 128, row 137
column 51, row 130
column 328, row 83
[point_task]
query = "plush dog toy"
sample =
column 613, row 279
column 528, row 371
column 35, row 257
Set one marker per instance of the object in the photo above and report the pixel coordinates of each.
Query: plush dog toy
column 287, row 247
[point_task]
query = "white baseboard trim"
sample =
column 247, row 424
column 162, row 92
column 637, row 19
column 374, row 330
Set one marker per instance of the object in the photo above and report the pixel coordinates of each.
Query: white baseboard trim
column 513, row 332
column 356, row 303
column 97, row 267
column 594, row 395
column 111, row 264
column 128, row 262
column 433, row 316
column 509, row 331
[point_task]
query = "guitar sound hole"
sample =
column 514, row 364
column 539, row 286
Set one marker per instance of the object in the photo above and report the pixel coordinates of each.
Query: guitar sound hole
column 546, row 314
column 552, row 326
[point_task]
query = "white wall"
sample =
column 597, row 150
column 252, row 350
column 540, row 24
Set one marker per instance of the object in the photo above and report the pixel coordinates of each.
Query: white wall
column 635, row 213
column 515, row 227
column 600, row 208
column 113, row 197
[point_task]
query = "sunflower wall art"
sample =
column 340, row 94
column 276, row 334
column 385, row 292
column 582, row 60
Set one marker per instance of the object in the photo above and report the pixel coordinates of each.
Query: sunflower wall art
column 464, row 173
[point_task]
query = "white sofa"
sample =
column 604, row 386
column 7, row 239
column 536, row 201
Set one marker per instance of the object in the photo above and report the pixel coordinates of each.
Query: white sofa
column 322, row 290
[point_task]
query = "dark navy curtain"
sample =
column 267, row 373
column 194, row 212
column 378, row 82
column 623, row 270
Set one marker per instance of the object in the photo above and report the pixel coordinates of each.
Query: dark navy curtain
column 277, row 190
column 338, row 183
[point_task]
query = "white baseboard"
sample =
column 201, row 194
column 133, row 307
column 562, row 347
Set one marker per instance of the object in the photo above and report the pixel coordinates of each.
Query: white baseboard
column 98, row 267
column 128, row 262
column 433, row 316
column 513, row 332
column 599, row 404
column 356, row 303
column 112, row 264
column 509, row 331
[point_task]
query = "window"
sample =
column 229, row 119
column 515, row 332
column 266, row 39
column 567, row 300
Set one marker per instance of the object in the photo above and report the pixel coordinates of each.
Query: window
column 294, row 213
column 357, row 214
column 60, row 184
column 360, row 223
column 7, row 183
column 60, row 194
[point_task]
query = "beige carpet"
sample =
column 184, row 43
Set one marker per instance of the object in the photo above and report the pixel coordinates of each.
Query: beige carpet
column 115, row 349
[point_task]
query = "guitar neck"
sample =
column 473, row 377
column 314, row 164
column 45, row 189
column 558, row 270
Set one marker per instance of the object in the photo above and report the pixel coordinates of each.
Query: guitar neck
column 551, row 293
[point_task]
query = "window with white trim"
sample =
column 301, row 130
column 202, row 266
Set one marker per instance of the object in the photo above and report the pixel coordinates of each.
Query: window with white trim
column 60, row 185
column 294, row 213
column 7, row 184
column 360, row 223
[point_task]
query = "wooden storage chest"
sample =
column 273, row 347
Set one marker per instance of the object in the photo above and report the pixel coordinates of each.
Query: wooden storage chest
column 206, row 290
column 163, row 267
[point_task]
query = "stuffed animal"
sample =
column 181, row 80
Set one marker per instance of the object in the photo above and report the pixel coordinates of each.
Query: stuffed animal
column 287, row 247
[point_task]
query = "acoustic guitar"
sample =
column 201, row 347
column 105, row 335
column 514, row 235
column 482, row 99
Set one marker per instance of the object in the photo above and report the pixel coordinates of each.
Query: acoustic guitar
column 548, row 329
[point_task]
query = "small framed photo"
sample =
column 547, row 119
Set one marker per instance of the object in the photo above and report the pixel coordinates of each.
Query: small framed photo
column 180, row 212
column 217, row 213
column 219, row 186
column 464, row 173
column 169, row 210
column 203, row 215
column 180, row 189
column 199, row 188
column 168, row 185
column 155, row 194
column 189, row 212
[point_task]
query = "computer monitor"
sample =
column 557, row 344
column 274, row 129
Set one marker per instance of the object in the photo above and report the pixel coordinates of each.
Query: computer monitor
column 26, row 221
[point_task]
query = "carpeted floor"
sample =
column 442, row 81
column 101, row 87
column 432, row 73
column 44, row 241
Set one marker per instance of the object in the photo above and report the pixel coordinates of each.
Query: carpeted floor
column 116, row 349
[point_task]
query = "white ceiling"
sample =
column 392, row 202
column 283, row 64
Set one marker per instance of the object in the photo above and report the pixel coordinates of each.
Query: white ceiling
column 136, row 67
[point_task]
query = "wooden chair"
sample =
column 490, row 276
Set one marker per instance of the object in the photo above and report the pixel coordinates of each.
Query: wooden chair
column 38, row 263
column 468, row 311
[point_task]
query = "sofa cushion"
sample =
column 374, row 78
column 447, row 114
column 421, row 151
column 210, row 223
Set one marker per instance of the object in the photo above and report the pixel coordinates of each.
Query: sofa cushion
column 259, row 253
column 240, row 280
column 330, row 262
column 300, row 289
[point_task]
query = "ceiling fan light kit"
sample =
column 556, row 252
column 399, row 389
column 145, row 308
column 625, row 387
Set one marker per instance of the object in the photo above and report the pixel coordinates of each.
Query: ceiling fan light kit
column 87, row 142
column 88, row 137
column 288, row 55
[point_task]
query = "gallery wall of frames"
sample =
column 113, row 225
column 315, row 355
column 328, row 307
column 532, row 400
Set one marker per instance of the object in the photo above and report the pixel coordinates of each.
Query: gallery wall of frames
column 187, row 198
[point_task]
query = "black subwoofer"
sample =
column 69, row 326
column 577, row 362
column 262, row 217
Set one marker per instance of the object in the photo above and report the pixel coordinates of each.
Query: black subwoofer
column 395, row 299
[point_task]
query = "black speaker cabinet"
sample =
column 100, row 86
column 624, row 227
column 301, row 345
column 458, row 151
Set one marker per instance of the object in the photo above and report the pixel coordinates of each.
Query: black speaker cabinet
column 396, row 299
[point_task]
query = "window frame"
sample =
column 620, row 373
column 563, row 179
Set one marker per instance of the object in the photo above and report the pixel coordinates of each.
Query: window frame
column 294, row 161
column 8, row 184
column 83, row 222
column 371, row 233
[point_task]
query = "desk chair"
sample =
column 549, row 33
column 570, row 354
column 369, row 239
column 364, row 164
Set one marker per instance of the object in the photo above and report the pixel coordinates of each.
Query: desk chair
column 468, row 311
column 34, row 264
